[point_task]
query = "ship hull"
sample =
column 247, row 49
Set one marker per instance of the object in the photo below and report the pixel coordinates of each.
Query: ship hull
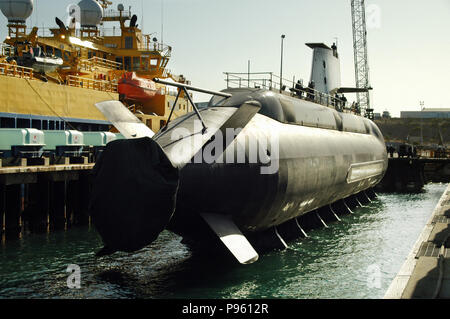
column 47, row 101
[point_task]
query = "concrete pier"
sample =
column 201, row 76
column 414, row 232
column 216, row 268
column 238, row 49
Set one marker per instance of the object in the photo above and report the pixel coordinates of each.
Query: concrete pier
column 426, row 271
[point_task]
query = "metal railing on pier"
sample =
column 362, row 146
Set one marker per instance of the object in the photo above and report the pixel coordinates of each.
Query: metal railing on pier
column 86, row 83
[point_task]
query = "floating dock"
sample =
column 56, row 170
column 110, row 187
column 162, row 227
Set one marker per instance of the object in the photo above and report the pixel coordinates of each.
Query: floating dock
column 426, row 272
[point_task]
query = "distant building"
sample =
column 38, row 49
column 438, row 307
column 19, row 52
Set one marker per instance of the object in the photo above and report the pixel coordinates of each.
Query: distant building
column 386, row 115
column 377, row 116
column 427, row 113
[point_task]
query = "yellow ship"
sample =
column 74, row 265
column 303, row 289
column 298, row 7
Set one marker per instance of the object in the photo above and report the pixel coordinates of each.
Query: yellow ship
column 53, row 81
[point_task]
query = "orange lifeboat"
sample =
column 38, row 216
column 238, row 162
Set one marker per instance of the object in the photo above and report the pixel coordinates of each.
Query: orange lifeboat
column 137, row 89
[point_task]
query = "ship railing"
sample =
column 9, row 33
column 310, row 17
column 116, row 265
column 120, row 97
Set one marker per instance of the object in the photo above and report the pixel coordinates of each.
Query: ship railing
column 91, row 63
column 116, row 14
column 149, row 45
column 86, row 83
column 16, row 71
column 270, row 81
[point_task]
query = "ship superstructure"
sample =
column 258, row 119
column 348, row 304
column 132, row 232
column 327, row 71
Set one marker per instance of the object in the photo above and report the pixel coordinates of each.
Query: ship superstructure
column 51, row 79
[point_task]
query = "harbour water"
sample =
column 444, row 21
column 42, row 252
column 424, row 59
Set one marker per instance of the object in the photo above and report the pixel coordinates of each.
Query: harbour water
column 355, row 258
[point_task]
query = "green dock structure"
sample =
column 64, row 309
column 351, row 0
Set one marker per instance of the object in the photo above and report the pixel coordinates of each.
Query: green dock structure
column 426, row 271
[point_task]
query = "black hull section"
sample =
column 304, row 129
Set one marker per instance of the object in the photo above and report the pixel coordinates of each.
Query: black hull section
column 133, row 195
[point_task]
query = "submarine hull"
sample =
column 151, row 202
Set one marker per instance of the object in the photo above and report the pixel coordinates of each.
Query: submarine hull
column 312, row 168
column 262, row 160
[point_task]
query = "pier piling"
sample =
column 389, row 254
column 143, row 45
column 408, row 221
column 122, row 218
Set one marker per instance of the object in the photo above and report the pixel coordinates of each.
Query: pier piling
column 2, row 210
column 38, row 206
column 12, row 211
column 72, row 202
column 84, row 197
column 57, row 205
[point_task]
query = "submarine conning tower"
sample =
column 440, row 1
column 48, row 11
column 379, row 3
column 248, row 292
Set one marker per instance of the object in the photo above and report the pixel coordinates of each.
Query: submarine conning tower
column 326, row 69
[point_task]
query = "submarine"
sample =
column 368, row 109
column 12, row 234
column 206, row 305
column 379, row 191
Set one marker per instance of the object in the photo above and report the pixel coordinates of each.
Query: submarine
column 252, row 160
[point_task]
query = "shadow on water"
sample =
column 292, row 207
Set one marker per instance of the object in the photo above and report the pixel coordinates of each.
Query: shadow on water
column 149, row 274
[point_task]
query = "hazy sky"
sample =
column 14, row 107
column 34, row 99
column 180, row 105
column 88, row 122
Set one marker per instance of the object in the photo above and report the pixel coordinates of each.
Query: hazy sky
column 408, row 41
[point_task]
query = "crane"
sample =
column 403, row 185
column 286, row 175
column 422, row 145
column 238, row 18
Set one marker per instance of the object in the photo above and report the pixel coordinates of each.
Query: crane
column 360, row 52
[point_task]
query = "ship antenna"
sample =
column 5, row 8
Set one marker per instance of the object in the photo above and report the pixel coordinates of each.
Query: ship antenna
column 142, row 10
column 36, row 12
column 162, row 21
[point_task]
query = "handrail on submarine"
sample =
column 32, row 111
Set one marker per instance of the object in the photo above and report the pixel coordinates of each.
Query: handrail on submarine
column 302, row 92
column 184, row 87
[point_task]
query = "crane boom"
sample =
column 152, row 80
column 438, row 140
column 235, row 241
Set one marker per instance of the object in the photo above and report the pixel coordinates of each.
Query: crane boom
column 360, row 52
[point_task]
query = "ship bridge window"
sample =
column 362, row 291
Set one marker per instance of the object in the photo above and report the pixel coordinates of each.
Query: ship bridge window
column 119, row 59
column 128, row 42
column 127, row 63
column 136, row 63
column 49, row 50
column 58, row 53
column 153, row 64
